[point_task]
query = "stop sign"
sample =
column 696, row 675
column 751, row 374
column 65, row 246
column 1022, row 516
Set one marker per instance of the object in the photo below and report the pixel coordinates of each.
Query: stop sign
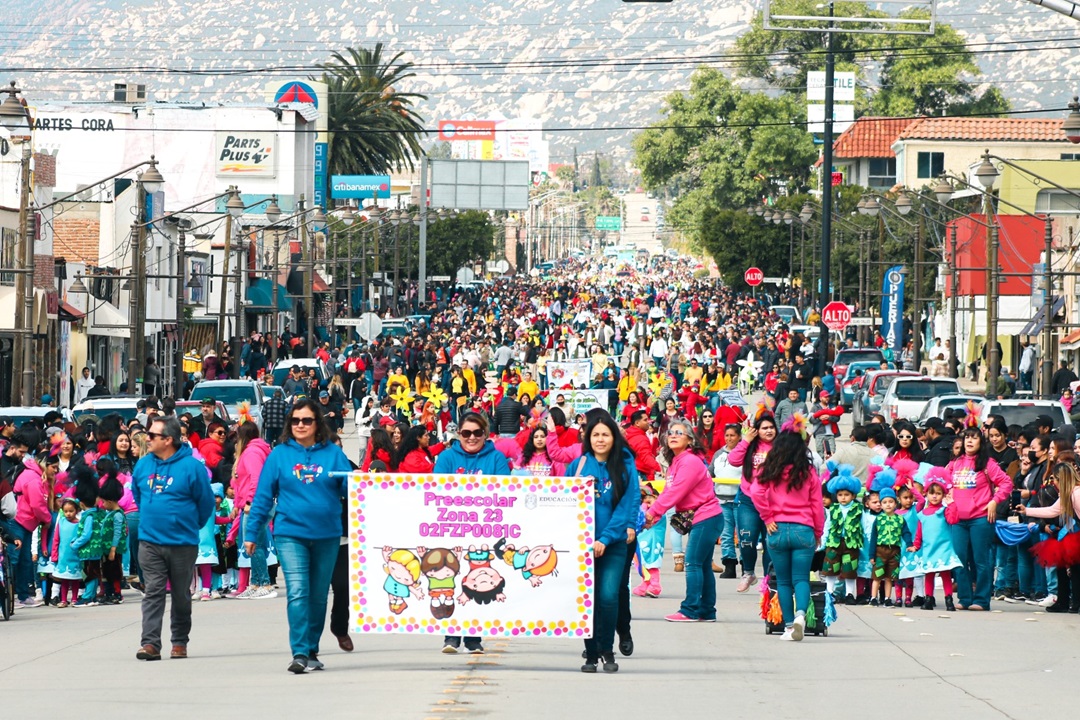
column 836, row 315
column 753, row 276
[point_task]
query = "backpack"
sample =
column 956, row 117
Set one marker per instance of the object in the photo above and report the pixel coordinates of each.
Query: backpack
column 92, row 550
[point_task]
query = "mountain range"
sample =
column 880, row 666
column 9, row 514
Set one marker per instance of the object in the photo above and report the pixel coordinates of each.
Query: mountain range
column 605, row 66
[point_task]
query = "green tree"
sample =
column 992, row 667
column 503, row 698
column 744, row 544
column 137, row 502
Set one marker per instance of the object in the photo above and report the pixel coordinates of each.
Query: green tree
column 919, row 75
column 374, row 127
column 453, row 243
column 595, row 178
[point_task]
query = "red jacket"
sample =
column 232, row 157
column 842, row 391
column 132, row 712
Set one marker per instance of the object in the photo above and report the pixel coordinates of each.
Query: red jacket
column 417, row 462
column 211, row 450
column 727, row 415
column 828, row 416
column 645, row 449
column 690, row 400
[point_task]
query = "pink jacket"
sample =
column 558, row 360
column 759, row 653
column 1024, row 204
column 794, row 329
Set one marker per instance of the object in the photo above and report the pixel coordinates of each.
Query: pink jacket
column 776, row 503
column 737, row 457
column 248, row 466
column 33, row 507
column 689, row 487
column 973, row 490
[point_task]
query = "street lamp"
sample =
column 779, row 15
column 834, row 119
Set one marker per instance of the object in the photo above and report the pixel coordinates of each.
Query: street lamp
column 943, row 191
column 986, row 173
column 151, row 179
column 759, row 210
column 806, row 213
column 273, row 212
column 1071, row 126
column 12, row 113
column 234, row 205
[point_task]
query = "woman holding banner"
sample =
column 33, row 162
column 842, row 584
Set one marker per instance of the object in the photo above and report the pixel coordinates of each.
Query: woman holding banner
column 607, row 459
column 473, row 454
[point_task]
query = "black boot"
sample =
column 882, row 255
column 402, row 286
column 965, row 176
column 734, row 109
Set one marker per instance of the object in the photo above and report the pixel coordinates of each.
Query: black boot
column 949, row 604
column 928, row 603
column 729, row 569
column 1074, row 589
column 1064, row 593
column 608, row 659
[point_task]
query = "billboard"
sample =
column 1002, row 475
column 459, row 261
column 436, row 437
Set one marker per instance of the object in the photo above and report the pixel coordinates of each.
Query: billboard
column 466, row 130
column 245, row 154
column 360, row 186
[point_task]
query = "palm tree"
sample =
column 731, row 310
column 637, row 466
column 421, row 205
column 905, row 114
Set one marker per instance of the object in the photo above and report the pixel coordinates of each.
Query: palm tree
column 373, row 127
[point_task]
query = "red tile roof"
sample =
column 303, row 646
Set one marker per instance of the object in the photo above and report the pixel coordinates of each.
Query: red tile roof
column 870, row 137
column 989, row 129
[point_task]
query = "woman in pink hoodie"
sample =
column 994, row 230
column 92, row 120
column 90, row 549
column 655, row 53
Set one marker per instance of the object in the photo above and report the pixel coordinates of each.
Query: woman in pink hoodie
column 750, row 455
column 251, row 453
column 978, row 486
column 787, row 495
column 689, row 487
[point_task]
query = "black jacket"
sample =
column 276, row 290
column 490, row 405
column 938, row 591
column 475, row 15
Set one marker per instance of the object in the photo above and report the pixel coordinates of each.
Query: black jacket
column 939, row 452
column 508, row 414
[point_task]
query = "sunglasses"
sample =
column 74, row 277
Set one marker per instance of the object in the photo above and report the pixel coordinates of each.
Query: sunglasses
column 305, row 421
column 904, row 437
column 153, row 435
column 676, row 433
column 471, row 433
column 219, row 432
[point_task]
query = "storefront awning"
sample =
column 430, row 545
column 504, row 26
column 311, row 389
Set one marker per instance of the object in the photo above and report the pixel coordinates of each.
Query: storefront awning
column 106, row 320
column 1071, row 341
column 261, row 296
column 319, row 285
column 70, row 313
column 1035, row 326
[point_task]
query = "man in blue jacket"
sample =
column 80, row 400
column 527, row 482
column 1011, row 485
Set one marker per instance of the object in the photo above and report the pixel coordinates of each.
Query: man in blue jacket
column 172, row 490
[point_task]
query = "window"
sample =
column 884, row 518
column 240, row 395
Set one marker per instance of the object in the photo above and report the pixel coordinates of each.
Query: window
column 198, row 269
column 931, row 164
column 1054, row 202
column 882, row 172
column 7, row 256
column 1070, row 156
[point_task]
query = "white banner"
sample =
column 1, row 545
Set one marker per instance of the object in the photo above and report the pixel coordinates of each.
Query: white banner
column 247, row 154
column 843, row 86
column 471, row 555
column 583, row 400
column 569, row 373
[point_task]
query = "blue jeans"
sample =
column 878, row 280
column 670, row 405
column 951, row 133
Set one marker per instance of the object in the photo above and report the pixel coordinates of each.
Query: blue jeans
column 727, row 531
column 973, row 541
column 791, row 548
column 308, row 566
column 674, row 539
column 700, row 601
column 608, row 578
column 134, row 568
column 1006, row 567
column 751, row 532
column 22, row 561
column 1030, row 577
column 259, row 574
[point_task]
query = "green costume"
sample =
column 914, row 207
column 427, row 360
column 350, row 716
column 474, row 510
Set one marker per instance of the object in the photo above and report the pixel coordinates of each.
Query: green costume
column 843, row 541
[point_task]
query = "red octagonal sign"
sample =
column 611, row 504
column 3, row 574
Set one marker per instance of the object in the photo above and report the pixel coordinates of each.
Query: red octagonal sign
column 836, row 315
column 753, row 276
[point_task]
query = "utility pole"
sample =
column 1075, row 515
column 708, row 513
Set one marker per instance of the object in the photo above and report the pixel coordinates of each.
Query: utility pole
column 178, row 352
column 274, row 296
column 421, row 262
column 26, row 277
column 916, row 334
column 222, row 336
column 993, row 360
column 308, row 259
column 825, row 295
column 953, row 289
column 238, row 323
column 1048, row 312
column 135, row 286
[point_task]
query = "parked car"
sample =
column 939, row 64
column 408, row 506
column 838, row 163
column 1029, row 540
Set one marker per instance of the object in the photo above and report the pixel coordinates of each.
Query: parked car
column 232, row 393
column 937, row 406
column 871, row 393
column 907, row 396
column 852, row 380
column 1024, row 412
column 281, row 372
column 99, row 407
column 21, row 414
column 849, row 355
column 787, row 313
column 195, row 407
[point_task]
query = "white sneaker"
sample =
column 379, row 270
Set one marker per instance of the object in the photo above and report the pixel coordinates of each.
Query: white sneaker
column 264, row 593
column 789, row 634
column 196, row 595
column 1048, row 601
column 248, row 592
column 204, row 596
column 746, row 582
column 798, row 628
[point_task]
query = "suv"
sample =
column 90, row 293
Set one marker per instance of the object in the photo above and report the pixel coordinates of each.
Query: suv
column 1024, row 412
column 281, row 372
column 907, row 396
column 123, row 405
column 21, row 414
column 231, row 393
column 849, row 355
column 870, row 396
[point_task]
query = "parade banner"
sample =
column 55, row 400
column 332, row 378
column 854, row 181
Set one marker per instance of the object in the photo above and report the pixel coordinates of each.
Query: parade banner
column 573, row 373
column 471, row 555
column 583, row 400
column 892, row 308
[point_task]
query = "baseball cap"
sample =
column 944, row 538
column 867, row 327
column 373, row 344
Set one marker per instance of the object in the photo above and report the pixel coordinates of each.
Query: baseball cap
column 324, row 394
column 208, row 400
column 5, row 420
column 934, row 423
column 1044, row 421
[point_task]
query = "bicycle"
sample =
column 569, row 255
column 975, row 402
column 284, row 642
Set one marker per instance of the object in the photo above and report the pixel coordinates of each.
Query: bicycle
column 7, row 583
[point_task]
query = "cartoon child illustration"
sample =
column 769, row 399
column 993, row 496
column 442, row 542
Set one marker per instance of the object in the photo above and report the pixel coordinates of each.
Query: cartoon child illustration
column 533, row 563
column 483, row 584
column 440, row 566
column 402, row 577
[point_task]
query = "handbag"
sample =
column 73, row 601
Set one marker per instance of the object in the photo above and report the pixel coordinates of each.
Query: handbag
column 682, row 522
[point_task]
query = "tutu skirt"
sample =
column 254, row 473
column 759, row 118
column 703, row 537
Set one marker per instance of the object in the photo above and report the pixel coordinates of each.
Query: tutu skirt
column 1054, row 553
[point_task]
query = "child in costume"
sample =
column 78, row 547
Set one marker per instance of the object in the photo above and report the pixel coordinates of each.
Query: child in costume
column 208, row 548
column 890, row 535
column 113, row 535
column 844, row 537
column 865, row 573
column 88, row 538
column 67, row 568
column 1061, row 551
column 936, row 556
column 650, row 545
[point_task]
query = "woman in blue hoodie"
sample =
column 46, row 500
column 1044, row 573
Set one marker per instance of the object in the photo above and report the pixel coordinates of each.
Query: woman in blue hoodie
column 608, row 460
column 473, row 454
column 307, row 522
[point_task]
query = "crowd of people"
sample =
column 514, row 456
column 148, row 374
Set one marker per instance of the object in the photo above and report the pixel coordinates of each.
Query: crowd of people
column 681, row 462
